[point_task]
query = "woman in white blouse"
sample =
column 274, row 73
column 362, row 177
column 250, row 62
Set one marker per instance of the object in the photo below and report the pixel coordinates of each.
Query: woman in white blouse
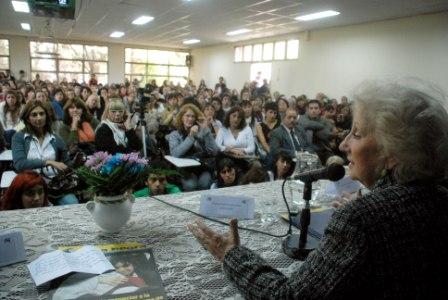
column 235, row 138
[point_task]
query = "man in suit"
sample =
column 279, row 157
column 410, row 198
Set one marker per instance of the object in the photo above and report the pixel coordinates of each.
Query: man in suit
column 288, row 137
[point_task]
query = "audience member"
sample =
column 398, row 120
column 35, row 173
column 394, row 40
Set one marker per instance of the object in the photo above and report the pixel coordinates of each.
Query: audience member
column 78, row 128
column 115, row 133
column 37, row 147
column 194, row 139
column 27, row 190
column 288, row 137
column 227, row 174
column 235, row 138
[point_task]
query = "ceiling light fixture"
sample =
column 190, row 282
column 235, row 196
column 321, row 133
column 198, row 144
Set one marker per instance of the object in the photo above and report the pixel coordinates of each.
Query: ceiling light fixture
column 116, row 34
column 142, row 20
column 192, row 41
column 319, row 15
column 20, row 6
column 239, row 31
column 25, row 26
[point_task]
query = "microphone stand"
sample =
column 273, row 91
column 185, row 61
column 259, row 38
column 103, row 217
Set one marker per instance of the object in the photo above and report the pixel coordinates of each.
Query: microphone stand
column 298, row 247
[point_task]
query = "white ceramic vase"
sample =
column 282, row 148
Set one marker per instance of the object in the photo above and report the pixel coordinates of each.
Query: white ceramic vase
column 111, row 213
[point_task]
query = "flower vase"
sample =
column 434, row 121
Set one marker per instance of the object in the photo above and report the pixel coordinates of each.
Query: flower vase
column 111, row 213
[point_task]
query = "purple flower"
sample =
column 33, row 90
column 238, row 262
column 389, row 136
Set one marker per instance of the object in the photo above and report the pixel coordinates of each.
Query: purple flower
column 97, row 160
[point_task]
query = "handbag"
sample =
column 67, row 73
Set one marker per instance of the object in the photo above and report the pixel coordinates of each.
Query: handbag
column 65, row 182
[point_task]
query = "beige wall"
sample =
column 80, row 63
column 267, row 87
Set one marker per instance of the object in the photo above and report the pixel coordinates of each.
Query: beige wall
column 335, row 60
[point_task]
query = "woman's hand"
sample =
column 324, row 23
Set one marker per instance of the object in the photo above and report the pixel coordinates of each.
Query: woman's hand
column 57, row 165
column 75, row 121
column 127, row 125
column 217, row 244
column 237, row 152
column 194, row 130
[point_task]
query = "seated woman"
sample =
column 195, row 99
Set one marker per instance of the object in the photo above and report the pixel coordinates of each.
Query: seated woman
column 227, row 174
column 284, row 166
column 36, row 147
column 10, row 110
column 115, row 134
column 235, row 139
column 78, row 128
column 193, row 138
column 264, row 129
column 27, row 190
column 401, row 219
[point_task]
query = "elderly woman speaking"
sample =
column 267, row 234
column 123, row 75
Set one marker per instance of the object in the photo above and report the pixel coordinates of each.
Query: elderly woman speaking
column 387, row 244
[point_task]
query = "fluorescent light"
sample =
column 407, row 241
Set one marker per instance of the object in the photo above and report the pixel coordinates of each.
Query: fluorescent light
column 20, row 6
column 319, row 15
column 142, row 20
column 192, row 41
column 25, row 26
column 239, row 31
column 117, row 34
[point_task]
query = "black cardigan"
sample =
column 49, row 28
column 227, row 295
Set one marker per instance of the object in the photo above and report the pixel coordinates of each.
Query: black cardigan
column 104, row 141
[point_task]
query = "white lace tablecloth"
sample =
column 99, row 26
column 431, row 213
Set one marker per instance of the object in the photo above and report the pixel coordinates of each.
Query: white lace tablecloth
column 187, row 270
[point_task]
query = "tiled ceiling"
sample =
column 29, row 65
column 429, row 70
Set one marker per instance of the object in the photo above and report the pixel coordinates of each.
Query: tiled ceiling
column 207, row 20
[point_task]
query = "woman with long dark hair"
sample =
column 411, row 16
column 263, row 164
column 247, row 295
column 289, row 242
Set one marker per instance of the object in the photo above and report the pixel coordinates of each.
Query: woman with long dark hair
column 78, row 128
column 37, row 147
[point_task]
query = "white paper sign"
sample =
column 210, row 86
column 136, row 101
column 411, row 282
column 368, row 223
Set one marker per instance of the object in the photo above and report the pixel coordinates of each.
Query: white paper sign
column 52, row 265
column 12, row 249
column 346, row 184
column 223, row 206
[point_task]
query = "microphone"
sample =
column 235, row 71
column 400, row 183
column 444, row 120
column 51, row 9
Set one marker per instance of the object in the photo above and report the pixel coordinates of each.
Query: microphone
column 333, row 172
column 298, row 247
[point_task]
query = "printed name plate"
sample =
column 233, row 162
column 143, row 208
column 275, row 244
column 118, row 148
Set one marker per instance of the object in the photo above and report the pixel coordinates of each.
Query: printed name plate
column 223, row 206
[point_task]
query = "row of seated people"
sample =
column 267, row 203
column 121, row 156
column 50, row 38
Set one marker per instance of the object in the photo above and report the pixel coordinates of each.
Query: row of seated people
column 30, row 190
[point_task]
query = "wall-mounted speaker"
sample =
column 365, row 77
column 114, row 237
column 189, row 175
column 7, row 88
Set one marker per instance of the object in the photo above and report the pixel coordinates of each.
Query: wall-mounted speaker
column 188, row 60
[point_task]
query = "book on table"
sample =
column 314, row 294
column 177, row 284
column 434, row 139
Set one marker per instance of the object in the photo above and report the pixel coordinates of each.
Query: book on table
column 135, row 276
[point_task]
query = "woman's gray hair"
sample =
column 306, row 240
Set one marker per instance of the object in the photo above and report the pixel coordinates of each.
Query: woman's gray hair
column 410, row 123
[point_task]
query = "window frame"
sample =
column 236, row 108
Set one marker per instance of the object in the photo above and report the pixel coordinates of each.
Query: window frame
column 59, row 73
column 148, row 76
column 8, row 55
column 272, row 59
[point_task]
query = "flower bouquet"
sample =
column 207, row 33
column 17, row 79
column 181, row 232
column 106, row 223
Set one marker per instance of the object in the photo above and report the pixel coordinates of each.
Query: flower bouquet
column 111, row 177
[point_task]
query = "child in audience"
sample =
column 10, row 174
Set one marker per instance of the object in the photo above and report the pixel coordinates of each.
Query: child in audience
column 27, row 190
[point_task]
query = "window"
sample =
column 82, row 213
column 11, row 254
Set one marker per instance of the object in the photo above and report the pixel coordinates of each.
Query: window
column 258, row 52
column 278, row 50
column 159, row 65
column 57, row 61
column 259, row 72
column 238, row 54
column 4, row 55
column 292, row 50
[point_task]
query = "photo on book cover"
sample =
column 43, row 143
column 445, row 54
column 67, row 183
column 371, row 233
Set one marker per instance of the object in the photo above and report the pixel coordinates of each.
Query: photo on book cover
column 135, row 277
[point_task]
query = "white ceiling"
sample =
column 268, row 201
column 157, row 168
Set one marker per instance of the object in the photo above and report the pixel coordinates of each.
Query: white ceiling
column 207, row 20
